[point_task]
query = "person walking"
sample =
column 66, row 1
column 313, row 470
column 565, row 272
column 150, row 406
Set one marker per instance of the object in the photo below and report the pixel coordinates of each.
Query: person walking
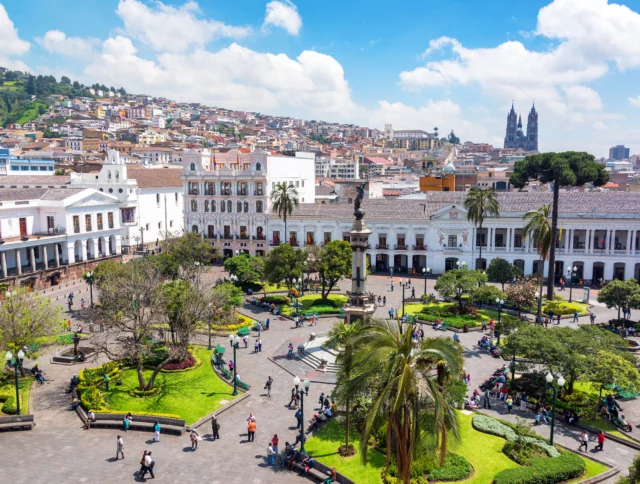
column 384, row 300
column 194, row 439
column 259, row 345
column 156, row 432
column 584, row 441
column 245, row 340
column 147, row 465
column 255, row 346
column 290, row 352
column 298, row 416
column 509, row 404
column 215, row 428
column 293, row 397
column 271, row 460
column 267, row 386
column 601, row 439
column 575, row 316
column 559, row 316
column 274, row 444
column 251, row 430
column 119, row 447
column 592, row 317
column 486, row 403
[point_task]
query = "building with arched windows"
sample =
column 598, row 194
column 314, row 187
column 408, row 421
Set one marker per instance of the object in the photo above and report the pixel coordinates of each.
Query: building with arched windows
column 227, row 194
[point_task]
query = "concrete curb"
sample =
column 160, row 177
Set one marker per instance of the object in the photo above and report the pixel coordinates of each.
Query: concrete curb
column 222, row 409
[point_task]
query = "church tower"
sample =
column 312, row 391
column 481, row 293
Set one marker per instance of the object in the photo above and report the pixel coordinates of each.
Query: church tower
column 512, row 128
column 532, row 130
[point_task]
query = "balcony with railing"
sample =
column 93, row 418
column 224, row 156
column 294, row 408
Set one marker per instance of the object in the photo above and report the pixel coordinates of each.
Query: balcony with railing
column 274, row 242
column 293, row 242
column 259, row 237
column 419, row 247
column 50, row 232
column 209, row 191
column 400, row 247
column 193, row 191
column 452, row 248
column 382, row 246
column 244, row 237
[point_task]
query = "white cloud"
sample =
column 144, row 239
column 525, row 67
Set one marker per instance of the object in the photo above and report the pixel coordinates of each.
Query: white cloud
column 283, row 14
column 172, row 29
column 582, row 97
column 634, row 101
column 56, row 42
column 312, row 84
column 10, row 43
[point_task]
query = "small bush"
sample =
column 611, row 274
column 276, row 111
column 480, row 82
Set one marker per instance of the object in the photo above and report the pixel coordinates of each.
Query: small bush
column 135, row 393
column 335, row 303
column 463, row 310
column 91, row 398
column 188, row 362
column 457, row 322
column 429, row 298
column 488, row 425
column 522, row 452
column 562, row 307
column 10, row 407
column 544, row 471
column 426, row 469
column 275, row 299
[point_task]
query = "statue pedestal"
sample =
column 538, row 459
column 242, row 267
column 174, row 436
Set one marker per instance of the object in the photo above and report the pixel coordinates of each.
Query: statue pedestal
column 359, row 305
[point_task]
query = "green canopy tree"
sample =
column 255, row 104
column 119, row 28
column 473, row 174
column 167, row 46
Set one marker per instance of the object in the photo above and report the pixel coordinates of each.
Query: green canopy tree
column 284, row 199
column 246, row 268
column 502, row 271
column 459, row 282
column 620, row 294
column 284, row 263
column 334, row 263
column 522, row 294
column 190, row 251
column 229, row 293
column 480, row 204
column 487, row 294
column 612, row 369
column 570, row 168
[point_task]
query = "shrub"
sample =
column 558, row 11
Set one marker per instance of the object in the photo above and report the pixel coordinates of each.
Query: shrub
column 457, row 322
column 456, row 468
column 429, row 298
column 91, row 398
column 488, row 425
column 135, row 393
column 188, row 362
column 426, row 469
column 462, row 310
column 335, row 303
column 10, row 407
column 522, row 452
column 275, row 299
column 146, row 414
column 562, row 307
column 544, row 471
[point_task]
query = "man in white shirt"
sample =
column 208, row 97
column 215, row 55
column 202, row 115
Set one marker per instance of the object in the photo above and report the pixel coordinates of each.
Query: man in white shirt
column 148, row 466
column 119, row 447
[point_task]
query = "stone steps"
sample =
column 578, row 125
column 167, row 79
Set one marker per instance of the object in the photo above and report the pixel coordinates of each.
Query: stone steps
column 315, row 362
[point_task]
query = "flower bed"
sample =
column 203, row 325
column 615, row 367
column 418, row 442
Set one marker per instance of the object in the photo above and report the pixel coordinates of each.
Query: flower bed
column 188, row 362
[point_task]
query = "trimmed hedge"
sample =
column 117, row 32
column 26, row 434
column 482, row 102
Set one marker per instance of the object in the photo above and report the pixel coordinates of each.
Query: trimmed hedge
column 275, row 299
column 145, row 414
column 562, row 307
column 135, row 393
column 425, row 469
column 457, row 322
column 546, row 470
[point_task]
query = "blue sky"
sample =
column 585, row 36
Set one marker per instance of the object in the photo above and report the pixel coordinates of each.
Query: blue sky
column 416, row 64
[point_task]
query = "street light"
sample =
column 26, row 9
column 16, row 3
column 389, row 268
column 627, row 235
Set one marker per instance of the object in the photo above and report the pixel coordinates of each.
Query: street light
column 89, row 278
column 425, row 272
column 571, row 275
column 461, row 264
column 19, row 359
column 555, row 388
column 403, row 285
column 499, row 302
column 539, row 298
column 235, row 342
column 307, row 384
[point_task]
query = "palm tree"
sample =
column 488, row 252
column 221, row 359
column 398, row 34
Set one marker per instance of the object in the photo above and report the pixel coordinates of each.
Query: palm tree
column 284, row 198
column 343, row 336
column 539, row 228
column 481, row 204
column 402, row 383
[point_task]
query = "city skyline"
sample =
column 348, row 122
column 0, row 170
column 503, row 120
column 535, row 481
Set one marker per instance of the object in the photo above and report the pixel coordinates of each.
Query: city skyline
column 304, row 60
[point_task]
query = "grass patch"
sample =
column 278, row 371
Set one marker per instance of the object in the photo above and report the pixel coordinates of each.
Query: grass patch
column 61, row 338
column 30, row 113
column 324, row 448
column 483, row 451
column 433, row 311
column 306, row 304
column 8, row 395
column 190, row 394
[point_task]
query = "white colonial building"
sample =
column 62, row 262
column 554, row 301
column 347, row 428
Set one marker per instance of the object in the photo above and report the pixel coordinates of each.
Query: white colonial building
column 600, row 233
column 46, row 231
column 227, row 194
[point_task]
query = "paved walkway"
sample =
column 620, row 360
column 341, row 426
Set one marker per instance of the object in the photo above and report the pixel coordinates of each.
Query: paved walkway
column 58, row 450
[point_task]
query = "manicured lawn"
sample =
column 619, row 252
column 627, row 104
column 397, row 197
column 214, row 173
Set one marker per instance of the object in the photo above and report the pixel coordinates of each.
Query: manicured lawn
column 307, row 300
column 8, row 391
column 324, row 447
column 483, row 314
column 483, row 451
column 190, row 394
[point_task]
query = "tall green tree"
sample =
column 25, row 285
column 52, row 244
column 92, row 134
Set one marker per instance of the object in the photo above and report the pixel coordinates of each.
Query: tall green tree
column 502, row 271
column 459, row 282
column 620, row 294
column 334, row 264
column 246, row 268
column 480, row 204
column 538, row 227
column 402, row 385
column 284, row 263
column 342, row 337
column 284, row 199
column 190, row 251
column 611, row 369
column 570, row 168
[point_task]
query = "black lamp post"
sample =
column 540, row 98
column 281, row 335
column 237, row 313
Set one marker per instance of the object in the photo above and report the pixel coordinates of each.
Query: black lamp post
column 18, row 362
column 235, row 342
column 499, row 302
column 89, row 278
column 425, row 272
column 307, row 384
column 555, row 388
column 571, row 272
column 403, row 285
column 539, row 317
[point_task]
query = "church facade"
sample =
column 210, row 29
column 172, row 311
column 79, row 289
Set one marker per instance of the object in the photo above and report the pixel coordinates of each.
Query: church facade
column 515, row 136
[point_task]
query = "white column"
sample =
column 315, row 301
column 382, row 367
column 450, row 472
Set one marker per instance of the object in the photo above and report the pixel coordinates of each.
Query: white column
column 490, row 241
column 45, row 257
column 587, row 242
column 628, row 246
column 18, row 262
column 56, row 255
column 32, row 258
column 84, row 251
column 3, row 258
column 571, row 234
column 612, row 246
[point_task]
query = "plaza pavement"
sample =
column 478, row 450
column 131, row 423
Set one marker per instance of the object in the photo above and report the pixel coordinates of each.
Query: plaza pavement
column 59, row 451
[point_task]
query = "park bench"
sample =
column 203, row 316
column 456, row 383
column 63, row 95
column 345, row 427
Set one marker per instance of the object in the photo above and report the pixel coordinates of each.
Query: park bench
column 444, row 327
column 244, row 331
column 313, row 473
column 172, row 426
column 15, row 422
